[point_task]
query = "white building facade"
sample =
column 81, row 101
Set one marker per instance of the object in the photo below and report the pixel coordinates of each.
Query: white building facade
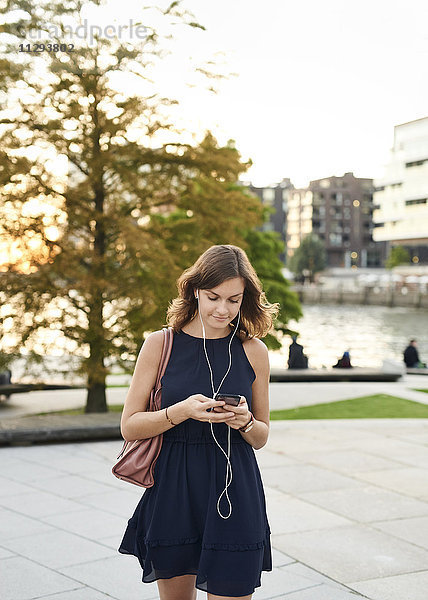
column 401, row 195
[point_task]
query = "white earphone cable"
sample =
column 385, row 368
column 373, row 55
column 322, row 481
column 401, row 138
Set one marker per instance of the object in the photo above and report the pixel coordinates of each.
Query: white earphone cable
column 229, row 473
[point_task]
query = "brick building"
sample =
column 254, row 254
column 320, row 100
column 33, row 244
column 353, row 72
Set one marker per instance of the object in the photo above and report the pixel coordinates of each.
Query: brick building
column 339, row 211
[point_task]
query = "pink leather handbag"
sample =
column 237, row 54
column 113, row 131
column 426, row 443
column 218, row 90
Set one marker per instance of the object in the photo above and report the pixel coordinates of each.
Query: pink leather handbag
column 137, row 459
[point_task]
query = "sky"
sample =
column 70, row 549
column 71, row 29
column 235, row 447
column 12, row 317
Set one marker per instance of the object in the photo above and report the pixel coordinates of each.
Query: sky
column 318, row 88
column 320, row 85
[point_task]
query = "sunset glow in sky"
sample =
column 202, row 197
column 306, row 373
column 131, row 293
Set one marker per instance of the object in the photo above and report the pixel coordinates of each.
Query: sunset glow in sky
column 319, row 86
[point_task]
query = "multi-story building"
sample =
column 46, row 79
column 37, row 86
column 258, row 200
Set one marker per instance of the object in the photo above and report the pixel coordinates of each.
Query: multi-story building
column 401, row 195
column 275, row 197
column 339, row 211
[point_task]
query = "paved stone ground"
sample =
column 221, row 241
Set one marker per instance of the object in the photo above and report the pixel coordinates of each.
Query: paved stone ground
column 347, row 503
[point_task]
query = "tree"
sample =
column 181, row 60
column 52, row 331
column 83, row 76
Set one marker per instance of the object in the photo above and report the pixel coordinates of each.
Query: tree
column 88, row 260
column 397, row 256
column 264, row 248
column 199, row 221
column 309, row 256
column 212, row 209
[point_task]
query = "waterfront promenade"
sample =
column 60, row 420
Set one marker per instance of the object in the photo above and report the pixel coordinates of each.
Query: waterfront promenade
column 347, row 503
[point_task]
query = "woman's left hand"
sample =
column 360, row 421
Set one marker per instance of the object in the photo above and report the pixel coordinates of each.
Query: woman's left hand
column 242, row 413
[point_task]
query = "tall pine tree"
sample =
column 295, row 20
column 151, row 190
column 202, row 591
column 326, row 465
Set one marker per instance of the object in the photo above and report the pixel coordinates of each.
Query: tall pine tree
column 86, row 257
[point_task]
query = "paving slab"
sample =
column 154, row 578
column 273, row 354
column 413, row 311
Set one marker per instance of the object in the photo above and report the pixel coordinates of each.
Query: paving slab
column 71, row 486
column 22, row 579
column 411, row 481
column 302, row 478
column 26, row 472
column 81, row 593
column 117, row 502
column 57, row 549
column 323, row 592
column 112, row 540
column 280, row 582
column 409, row 586
column 11, row 488
column 414, row 530
column 367, row 502
column 90, row 523
column 15, row 525
column 317, row 577
column 353, row 553
column 279, row 559
column 292, row 514
column 38, row 504
column 119, row 576
column 339, row 533
column 348, row 461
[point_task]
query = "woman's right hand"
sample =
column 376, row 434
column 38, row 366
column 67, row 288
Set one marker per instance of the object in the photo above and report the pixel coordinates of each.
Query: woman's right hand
column 197, row 406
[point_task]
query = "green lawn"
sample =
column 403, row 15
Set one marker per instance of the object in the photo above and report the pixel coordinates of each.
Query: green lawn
column 426, row 391
column 378, row 406
column 119, row 385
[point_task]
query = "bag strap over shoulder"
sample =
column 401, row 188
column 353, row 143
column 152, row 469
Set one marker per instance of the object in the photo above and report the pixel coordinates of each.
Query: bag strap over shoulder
column 168, row 337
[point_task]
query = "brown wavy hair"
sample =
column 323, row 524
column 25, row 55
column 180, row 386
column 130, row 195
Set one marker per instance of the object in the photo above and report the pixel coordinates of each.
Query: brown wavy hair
column 212, row 268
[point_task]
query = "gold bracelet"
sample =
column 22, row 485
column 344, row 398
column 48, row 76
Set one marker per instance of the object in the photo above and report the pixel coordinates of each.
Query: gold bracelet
column 166, row 414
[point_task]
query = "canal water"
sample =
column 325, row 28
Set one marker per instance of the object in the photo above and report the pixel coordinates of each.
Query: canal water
column 370, row 333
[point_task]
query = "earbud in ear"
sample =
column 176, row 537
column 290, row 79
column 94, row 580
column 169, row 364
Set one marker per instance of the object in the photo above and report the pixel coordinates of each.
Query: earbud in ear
column 197, row 295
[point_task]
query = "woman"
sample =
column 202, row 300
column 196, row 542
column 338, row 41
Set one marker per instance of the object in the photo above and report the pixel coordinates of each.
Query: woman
column 203, row 525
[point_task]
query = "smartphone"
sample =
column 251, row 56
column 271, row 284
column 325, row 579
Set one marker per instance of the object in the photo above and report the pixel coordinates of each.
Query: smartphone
column 232, row 399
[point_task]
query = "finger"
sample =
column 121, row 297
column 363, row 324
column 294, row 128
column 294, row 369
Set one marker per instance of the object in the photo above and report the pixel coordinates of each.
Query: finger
column 213, row 404
column 216, row 418
column 242, row 401
column 217, row 402
column 207, row 400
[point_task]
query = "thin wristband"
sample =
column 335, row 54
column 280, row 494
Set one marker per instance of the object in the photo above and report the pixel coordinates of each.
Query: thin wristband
column 245, row 426
column 166, row 414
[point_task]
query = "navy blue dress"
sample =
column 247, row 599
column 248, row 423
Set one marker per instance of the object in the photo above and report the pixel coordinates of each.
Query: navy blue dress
column 176, row 529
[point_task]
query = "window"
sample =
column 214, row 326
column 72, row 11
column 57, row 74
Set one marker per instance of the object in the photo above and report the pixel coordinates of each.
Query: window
column 268, row 196
column 335, row 239
column 337, row 197
column 416, row 163
column 416, row 201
